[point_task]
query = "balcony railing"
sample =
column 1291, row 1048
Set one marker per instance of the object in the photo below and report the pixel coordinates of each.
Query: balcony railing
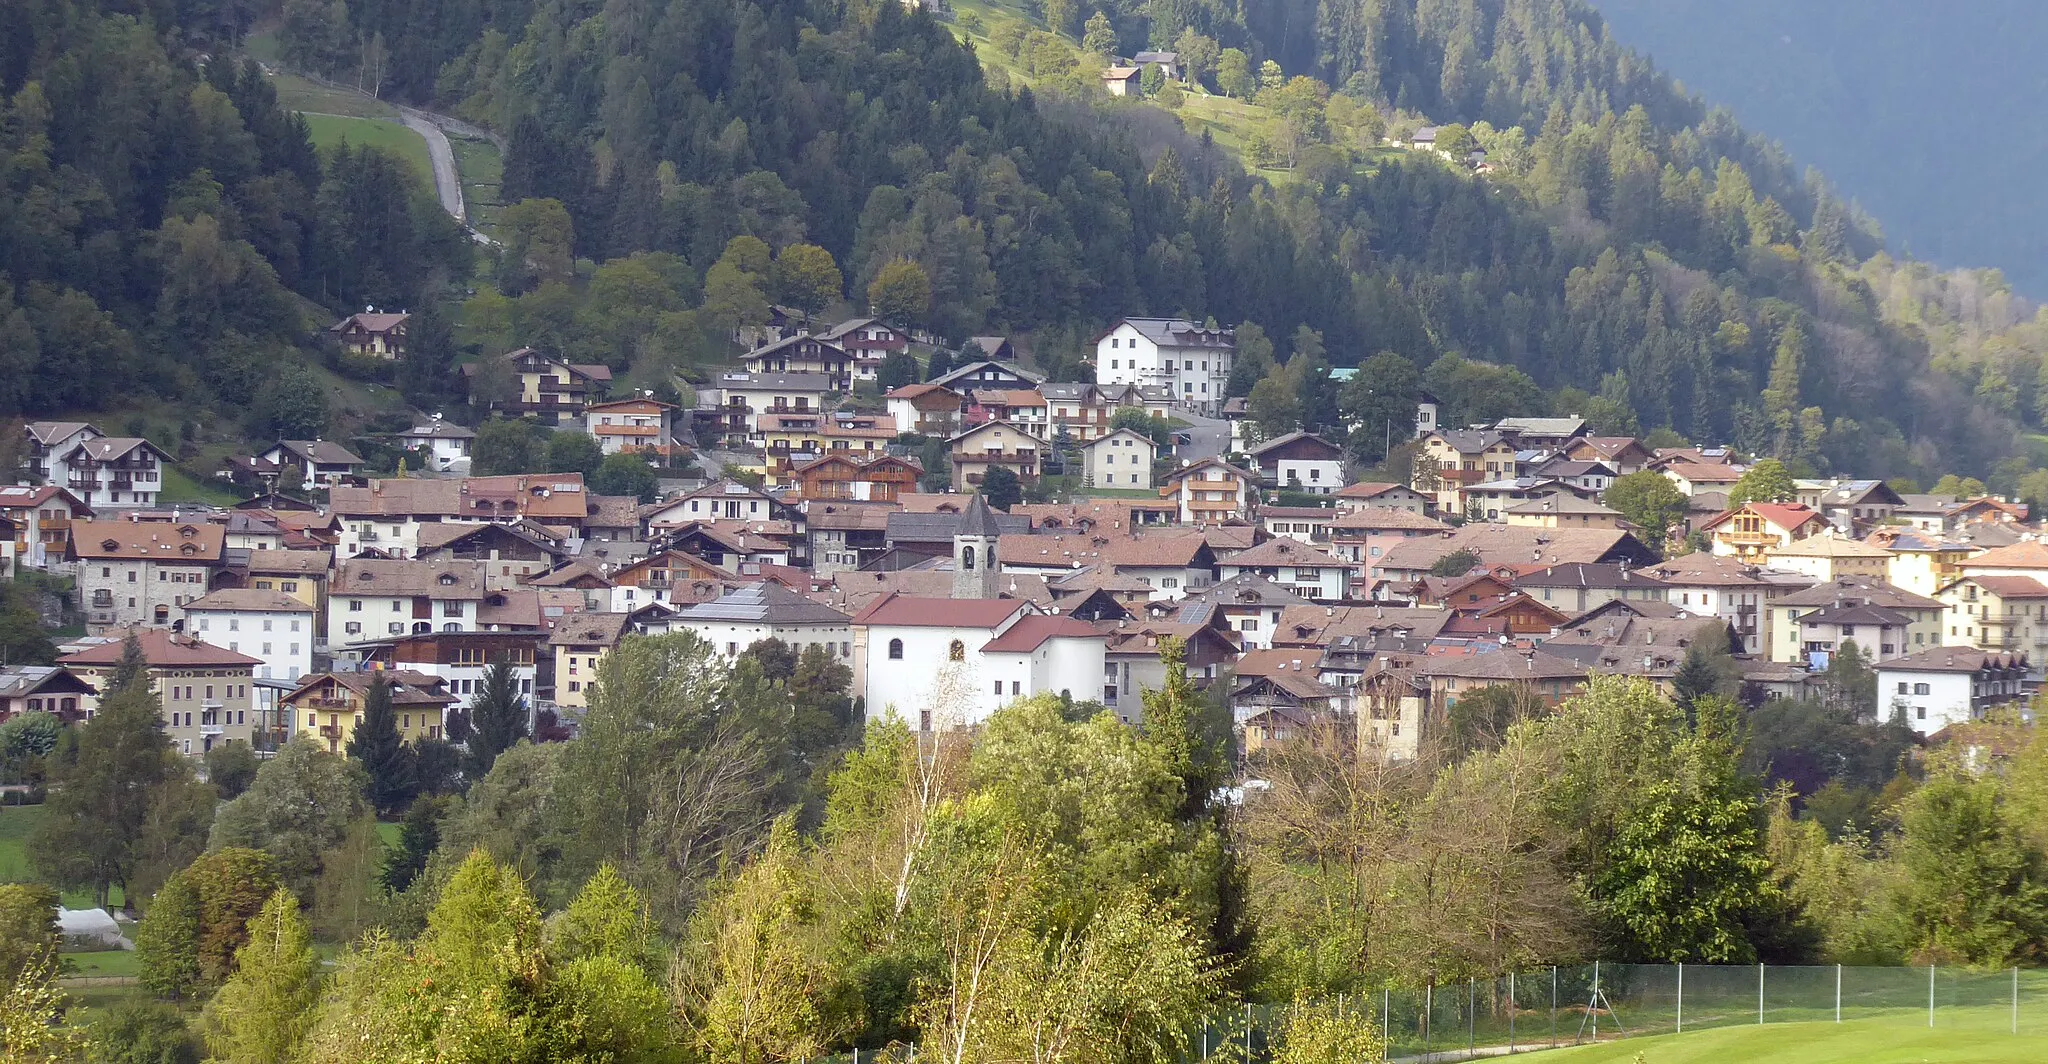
column 330, row 731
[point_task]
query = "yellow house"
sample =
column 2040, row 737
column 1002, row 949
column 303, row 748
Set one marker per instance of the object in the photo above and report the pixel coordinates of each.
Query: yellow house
column 1210, row 492
column 1921, row 563
column 1455, row 459
column 326, row 707
column 302, row 574
column 580, row 641
column 1562, row 510
column 1997, row 613
column 1757, row 528
column 1830, row 557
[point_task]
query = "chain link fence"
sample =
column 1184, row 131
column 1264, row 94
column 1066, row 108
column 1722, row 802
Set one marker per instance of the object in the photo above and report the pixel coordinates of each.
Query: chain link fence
column 1573, row 1005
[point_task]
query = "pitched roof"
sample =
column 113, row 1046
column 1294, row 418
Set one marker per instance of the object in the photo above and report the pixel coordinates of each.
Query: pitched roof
column 1847, row 590
column 790, row 382
column 1296, row 437
column 1562, row 503
column 22, row 497
column 320, row 452
column 371, row 321
column 1284, row 551
column 957, row 373
column 1827, row 546
column 763, row 603
column 1392, row 518
column 1502, row 665
column 402, row 577
column 1702, row 473
column 1368, row 490
column 437, row 429
column 2011, row 587
column 249, row 598
column 589, row 630
column 2026, row 554
column 1589, row 575
column 1155, row 551
column 1031, row 632
column 902, row 611
column 1517, row 545
column 941, row 526
column 979, row 519
column 1953, row 659
column 195, row 541
column 1540, row 426
column 297, row 562
column 49, row 432
column 1071, row 550
column 1248, row 589
column 113, row 448
column 1470, row 441
column 1862, row 613
column 162, row 648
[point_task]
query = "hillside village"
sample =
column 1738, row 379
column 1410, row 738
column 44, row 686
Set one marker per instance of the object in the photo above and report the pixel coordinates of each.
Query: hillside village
column 1303, row 595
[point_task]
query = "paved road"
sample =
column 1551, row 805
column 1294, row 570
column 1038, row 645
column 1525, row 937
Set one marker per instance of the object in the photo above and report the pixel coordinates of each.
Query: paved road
column 447, row 183
column 1208, row 436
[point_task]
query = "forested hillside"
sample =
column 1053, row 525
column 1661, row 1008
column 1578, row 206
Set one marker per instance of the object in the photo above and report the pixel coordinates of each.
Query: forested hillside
column 1634, row 253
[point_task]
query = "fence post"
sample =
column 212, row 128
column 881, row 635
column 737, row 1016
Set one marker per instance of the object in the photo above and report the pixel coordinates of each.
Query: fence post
column 1387, row 1015
column 1512, row 1007
column 1593, row 1002
column 1759, row 994
column 1930, row 995
column 1681, row 997
column 1471, row 1014
column 2015, row 999
column 1553, row 1006
column 1838, row 993
column 1247, row 1030
column 1428, row 1016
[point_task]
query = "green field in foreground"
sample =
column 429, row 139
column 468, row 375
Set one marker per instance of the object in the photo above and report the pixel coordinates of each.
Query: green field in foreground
column 17, row 823
column 330, row 130
column 1816, row 1043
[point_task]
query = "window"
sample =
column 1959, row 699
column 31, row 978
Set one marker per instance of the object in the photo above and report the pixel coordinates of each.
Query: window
column 895, row 650
column 1921, row 689
column 1016, row 687
column 1920, row 713
column 956, row 651
column 355, row 605
column 1902, row 687
column 967, row 558
column 999, row 688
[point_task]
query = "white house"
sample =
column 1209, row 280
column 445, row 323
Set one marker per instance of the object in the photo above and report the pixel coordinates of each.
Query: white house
column 274, row 628
column 1941, row 686
column 49, row 442
column 115, row 471
column 1296, row 566
column 746, row 615
column 322, row 463
column 937, row 663
column 741, row 398
column 377, row 598
column 446, row 443
column 637, row 424
column 1122, row 459
column 727, row 500
column 1189, row 358
column 1302, row 462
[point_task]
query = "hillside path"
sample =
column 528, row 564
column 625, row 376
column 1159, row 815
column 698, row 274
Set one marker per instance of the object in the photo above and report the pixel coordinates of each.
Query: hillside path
column 447, row 183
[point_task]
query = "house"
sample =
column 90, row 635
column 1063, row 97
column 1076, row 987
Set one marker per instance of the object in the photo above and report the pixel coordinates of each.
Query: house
column 377, row 598
column 460, row 659
column 372, row 334
column 992, row 444
column 1545, row 433
column 204, row 689
column 1132, row 666
column 44, row 689
column 925, row 408
column 858, row 477
column 804, row 355
column 670, row 577
column 1623, row 454
column 1755, row 529
column 1831, row 556
column 930, row 535
column 1308, row 524
column 1926, row 618
column 1281, row 707
column 737, row 545
column 992, row 348
column 789, row 440
column 1167, row 62
column 1079, row 411
column 964, row 379
column 386, row 515
column 1996, row 613
column 2025, row 558
column 41, row 517
column 868, row 341
column 49, row 442
column 942, row 662
column 1535, row 675
column 1941, row 686
column 446, row 444
column 1924, row 512
column 1487, row 501
column 115, row 471
column 550, row 389
column 1510, row 545
column 1921, row 562
column 1877, row 632
column 1737, row 592
column 1122, row 80
column 275, row 628
column 1361, row 536
column 721, row 499
column 1298, row 567
column 1122, row 459
column 1695, row 477
column 143, row 572
column 1562, row 510
column 1301, row 462
column 326, row 708
column 1174, row 566
column 579, row 643
column 316, row 464
column 749, row 614
column 632, row 426
column 1369, row 494
column 1423, row 139
column 1453, row 459
column 1210, row 491
column 509, row 554
column 1427, row 407
column 1593, row 476
column 1190, row 360
column 1578, row 587
column 1852, row 506
column 740, row 398
column 845, row 535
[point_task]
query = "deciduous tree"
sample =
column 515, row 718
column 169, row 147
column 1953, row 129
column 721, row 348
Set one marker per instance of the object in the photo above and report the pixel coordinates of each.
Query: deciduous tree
column 262, row 1013
column 167, row 942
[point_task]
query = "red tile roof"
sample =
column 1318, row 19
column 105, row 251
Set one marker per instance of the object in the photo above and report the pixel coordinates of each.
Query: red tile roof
column 1030, row 633
column 163, row 649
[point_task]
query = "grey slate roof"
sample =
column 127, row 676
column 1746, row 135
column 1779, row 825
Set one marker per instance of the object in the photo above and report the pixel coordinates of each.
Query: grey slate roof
column 942, row 527
column 762, row 603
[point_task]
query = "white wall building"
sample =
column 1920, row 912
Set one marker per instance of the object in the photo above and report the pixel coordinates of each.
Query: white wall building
column 935, row 663
column 446, row 444
column 1122, row 459
column 1184, row 356
column 274, row 628
column 378, row 598
column 1941, row 686
column 746, row 615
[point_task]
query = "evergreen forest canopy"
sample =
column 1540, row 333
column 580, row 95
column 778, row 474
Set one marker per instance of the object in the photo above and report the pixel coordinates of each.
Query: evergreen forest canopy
column 1630, row 246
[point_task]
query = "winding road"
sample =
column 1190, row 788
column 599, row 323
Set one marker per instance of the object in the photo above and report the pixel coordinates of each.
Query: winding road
column 447, row 182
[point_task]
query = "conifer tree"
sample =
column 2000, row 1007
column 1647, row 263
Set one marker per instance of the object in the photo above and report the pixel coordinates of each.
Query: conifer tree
column 167, row 942
column 497, row 719
column 262, row 1013
column 375, row 743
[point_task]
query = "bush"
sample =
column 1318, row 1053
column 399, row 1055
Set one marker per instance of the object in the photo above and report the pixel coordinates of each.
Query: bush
column 143, row 1032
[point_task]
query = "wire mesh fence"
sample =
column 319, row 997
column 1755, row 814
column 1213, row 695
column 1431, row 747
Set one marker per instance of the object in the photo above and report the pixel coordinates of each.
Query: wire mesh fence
column 1572, row 1005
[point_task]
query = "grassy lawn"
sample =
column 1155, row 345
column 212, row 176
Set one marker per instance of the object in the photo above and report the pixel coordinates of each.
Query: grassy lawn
column 102, row 962
column 180, row 487
column 295, row 93
column 1816, row 1043
column 330, row 130
column 481, row 170
column 17, row 823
